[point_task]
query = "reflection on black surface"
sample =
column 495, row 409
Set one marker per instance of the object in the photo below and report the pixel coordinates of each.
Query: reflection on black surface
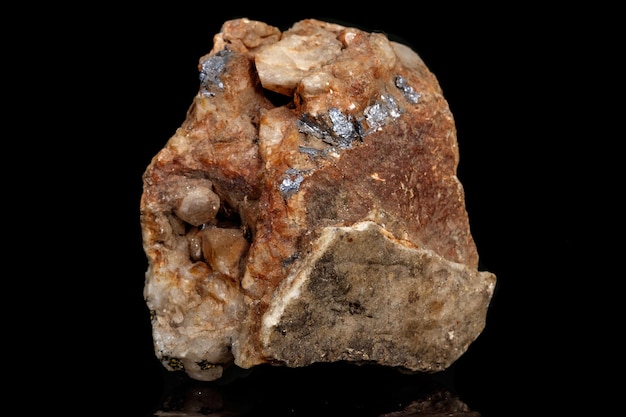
column 318, row 390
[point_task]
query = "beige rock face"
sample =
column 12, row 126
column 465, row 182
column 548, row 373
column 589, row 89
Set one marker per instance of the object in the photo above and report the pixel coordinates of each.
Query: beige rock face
column 326, row 225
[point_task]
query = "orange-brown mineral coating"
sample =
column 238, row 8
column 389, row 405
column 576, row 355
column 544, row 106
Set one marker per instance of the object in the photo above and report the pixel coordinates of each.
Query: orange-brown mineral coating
column 401, row 175
column 217, row 141
column 406, row 169
column 397, row 173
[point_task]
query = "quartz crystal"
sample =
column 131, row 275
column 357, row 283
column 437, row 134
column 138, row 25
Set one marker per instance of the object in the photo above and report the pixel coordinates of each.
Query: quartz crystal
column 308, row 210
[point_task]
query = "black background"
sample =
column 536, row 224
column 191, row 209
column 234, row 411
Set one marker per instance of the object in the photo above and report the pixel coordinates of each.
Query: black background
column 515, row 83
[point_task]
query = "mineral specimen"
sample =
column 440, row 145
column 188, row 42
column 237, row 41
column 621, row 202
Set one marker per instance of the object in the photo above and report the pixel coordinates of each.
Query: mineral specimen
column 308, row 210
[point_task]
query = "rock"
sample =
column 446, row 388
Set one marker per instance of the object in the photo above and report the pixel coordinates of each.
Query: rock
column 308, row 210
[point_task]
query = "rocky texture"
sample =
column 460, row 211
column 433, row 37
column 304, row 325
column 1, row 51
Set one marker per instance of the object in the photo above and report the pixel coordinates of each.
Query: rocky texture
column 308, row 210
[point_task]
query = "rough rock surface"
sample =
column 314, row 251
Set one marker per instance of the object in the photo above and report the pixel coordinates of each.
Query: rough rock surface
column 308, row 210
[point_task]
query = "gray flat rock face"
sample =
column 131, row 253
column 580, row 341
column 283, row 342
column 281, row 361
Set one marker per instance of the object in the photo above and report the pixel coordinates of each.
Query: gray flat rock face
column 328, row 225
column 361, row 296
